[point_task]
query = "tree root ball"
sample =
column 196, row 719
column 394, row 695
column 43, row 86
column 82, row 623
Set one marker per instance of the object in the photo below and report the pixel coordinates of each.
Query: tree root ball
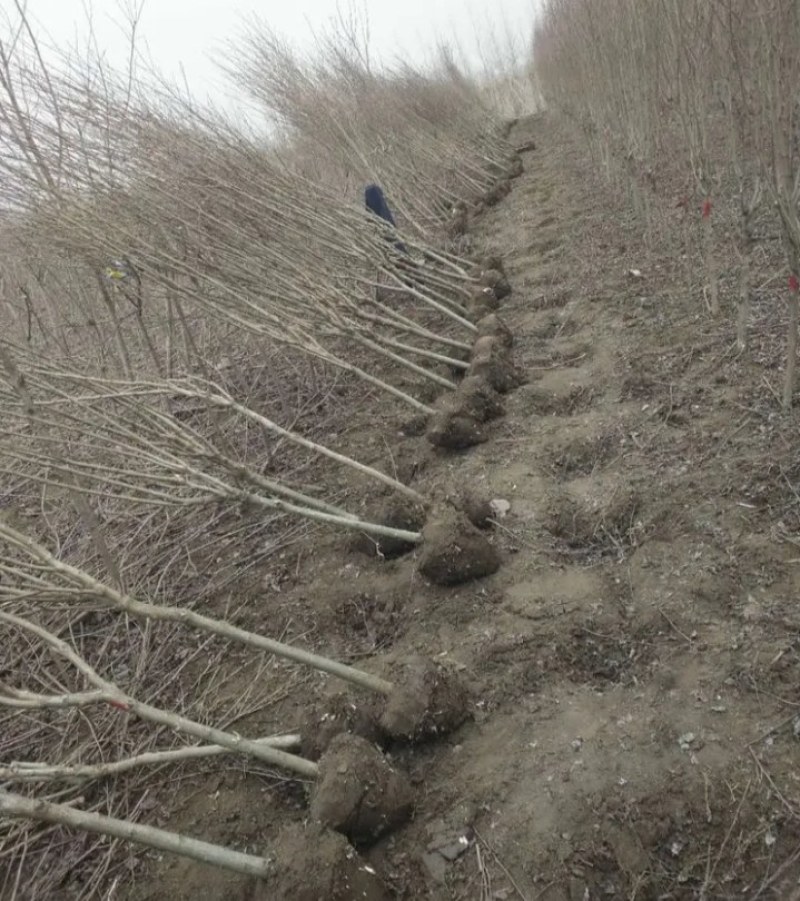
column 481, row 302
column 476, row 399
column 453, row 430
column 345, row 712
column 490, row 261
column 498, row 192
column 492, row 361
column 515, row 166
column 477, row 509
column 313, row 863
column 454, row 551
column 428, row 701
column 494, row 279
column 415, row 426
column 493, row 326
column 397, row 513
column 358, row 793
column 507, row 127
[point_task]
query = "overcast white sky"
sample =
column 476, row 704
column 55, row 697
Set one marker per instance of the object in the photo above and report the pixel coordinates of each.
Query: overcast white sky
column 183, row 35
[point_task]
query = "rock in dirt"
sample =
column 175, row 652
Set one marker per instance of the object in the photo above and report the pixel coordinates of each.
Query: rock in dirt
column 313, row 863
column 454, row 551
column 493, row 326
column 358, row 793
column 429, row 700
column 398, row 513
column 500, row 507
column 454, row 430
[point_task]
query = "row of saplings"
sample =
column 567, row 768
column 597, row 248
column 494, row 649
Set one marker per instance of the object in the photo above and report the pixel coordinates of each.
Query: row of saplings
column 357, row 796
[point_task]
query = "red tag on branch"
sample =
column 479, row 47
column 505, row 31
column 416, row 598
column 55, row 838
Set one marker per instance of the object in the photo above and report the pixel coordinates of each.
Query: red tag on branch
column 794, row 283
column 120, row 705
column 706, row 208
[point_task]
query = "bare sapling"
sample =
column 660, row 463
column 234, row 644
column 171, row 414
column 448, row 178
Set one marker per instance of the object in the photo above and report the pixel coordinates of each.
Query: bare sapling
column 103, row 691
column 16, row 805
column 777, row 24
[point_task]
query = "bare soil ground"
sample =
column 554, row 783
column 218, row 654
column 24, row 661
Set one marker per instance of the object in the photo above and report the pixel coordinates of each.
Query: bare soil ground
column 635, row 662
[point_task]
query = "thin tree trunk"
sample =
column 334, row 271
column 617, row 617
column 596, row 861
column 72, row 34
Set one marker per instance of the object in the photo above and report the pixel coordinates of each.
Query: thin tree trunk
column 14, row 805
column 712, row 278
column 791, row 342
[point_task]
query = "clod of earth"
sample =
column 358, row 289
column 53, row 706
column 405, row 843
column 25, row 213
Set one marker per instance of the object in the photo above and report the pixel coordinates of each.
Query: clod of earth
column 477, row 508
column 481, row 302
column 508, row 127
column 415, row 426
column 515, row 166
column 494, row 278
column 492, row 325
column 454, row 551
column 397, row 513
column 358, row 793
column 354, row 712
column 428, row 701
column 492, row 361
column 490, row 261
column 501, row 190
column 453, row 430
column 476, row 399
column 312, row 863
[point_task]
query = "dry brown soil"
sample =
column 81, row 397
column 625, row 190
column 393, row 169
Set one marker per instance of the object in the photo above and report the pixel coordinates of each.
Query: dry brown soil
column 634, row 664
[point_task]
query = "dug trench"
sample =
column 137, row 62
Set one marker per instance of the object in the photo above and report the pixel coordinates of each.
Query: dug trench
column 627, row 660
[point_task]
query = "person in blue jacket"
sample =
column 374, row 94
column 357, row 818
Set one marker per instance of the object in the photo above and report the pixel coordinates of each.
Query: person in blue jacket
column 375, row 202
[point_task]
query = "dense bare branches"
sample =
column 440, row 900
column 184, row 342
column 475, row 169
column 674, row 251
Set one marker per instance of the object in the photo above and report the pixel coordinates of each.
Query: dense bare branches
column 722, row 75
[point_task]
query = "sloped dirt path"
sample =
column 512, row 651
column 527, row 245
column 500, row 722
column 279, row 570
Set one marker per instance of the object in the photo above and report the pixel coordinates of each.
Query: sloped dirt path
column 632, row 655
